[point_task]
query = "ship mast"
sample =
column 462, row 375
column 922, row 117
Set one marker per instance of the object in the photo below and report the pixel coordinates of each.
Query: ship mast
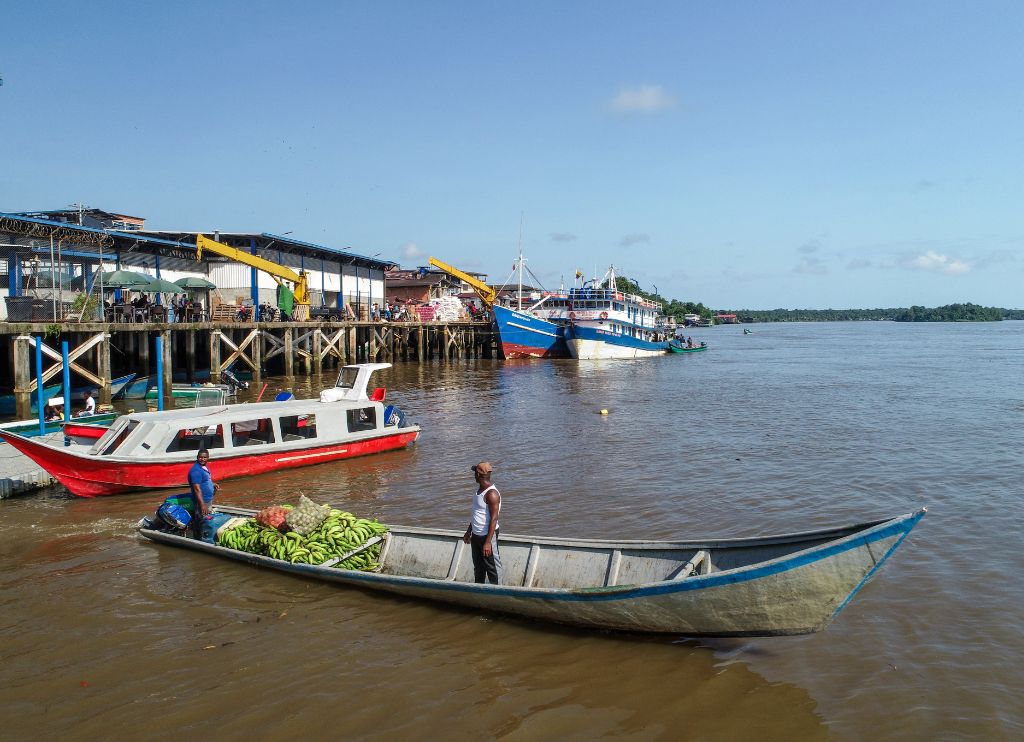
column 520, row 294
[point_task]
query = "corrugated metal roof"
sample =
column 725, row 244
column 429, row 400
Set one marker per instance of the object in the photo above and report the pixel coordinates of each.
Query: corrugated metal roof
column 136, row 236
column 312, row 249
column 148, row 236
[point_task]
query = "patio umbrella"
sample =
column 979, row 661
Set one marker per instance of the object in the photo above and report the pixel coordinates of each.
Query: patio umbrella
column 121, row 280
column 160, row 286
column 195, row 282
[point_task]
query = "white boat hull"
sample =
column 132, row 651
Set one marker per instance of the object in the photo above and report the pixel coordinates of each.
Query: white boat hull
column 586, row 350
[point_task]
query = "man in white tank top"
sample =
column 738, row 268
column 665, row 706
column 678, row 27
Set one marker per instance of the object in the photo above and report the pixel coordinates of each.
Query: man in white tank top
column 482, row 533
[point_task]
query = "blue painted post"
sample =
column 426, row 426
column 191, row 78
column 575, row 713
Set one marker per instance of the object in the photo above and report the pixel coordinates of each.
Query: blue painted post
column 39, row 385
column 160, row 372
column 117, row 267
column 254, row 273
column 13, row 279
column 159, row 296
column 67, row 386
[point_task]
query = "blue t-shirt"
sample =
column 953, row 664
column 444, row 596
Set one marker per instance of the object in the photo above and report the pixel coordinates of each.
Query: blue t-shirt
column 200, row 475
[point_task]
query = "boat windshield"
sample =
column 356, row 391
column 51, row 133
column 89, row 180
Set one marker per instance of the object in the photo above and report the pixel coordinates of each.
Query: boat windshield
column 347, row 378
column 119, row 438
column 112, row 431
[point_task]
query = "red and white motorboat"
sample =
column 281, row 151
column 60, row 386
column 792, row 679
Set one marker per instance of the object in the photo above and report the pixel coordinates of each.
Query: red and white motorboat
column 154, row 450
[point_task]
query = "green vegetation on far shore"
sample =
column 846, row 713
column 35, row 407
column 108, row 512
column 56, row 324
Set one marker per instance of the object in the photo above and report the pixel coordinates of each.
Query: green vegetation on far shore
column 949, row 313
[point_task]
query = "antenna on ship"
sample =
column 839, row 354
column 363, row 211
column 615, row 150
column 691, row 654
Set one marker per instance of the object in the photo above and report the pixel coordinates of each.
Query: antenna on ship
column 520, row 294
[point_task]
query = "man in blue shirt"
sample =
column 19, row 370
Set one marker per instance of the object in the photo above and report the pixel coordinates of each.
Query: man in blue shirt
column 203, row 489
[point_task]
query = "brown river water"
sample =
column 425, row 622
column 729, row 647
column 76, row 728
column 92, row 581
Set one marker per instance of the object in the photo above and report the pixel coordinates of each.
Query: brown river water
column 793, row 427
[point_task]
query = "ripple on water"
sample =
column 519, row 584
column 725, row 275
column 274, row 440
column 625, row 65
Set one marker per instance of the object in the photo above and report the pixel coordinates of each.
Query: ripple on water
column 792, row 428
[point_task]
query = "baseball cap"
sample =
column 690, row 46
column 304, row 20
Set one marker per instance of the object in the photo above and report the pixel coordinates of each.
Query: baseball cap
column 484, row 467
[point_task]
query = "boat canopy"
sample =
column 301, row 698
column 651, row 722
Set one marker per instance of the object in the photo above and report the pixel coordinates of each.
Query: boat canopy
column 352, row 382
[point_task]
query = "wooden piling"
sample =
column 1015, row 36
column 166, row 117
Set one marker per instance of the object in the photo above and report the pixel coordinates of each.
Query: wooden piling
column 289, row 356
column 215, row 356
column 23, row 377
column 190, row 354
column 103, row 367
column 168, row 368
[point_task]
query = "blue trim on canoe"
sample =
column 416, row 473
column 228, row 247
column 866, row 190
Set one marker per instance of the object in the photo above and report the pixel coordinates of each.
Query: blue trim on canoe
column 854, row 541
column 874, row 569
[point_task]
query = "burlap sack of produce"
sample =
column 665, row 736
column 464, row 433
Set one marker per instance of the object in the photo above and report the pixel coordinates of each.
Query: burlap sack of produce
column 306, row 516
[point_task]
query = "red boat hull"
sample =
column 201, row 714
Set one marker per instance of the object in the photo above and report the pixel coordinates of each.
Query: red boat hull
column 514, row 350
column 94, row 476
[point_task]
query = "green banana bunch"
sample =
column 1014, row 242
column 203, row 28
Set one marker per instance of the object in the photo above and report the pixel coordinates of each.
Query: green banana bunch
column 339, row 533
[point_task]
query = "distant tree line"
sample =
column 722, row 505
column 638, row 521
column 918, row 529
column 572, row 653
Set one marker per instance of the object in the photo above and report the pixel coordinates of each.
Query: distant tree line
column 950, row 313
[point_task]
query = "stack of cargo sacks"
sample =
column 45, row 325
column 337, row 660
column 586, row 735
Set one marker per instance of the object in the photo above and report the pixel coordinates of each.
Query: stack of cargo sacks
column 447, row 309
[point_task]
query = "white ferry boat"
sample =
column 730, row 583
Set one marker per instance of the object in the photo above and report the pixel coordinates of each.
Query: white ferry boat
column 152, row 450
column 607, row 323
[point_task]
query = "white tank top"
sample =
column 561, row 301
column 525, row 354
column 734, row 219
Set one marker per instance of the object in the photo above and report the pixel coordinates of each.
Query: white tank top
column 482, row 513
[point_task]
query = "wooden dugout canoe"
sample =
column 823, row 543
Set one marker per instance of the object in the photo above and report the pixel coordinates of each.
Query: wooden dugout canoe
column 765, row 586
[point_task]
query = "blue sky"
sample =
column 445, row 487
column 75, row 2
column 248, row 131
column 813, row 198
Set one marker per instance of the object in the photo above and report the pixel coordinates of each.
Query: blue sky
column 743, row 154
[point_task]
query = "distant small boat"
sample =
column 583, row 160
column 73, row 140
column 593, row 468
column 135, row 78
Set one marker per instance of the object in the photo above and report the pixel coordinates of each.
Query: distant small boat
column 761, row 586
column 746, row 331
column 677, row 347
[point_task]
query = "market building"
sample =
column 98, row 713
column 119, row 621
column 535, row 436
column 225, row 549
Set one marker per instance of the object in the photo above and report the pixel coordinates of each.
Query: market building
column 52, row 256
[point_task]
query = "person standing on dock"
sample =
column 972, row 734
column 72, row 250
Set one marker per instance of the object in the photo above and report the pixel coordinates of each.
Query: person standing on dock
column 200, row 480
column 482, row 533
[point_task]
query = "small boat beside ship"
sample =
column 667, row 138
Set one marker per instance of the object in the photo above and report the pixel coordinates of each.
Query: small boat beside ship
column 763, row 586
column 675, row 346
column 153, row 450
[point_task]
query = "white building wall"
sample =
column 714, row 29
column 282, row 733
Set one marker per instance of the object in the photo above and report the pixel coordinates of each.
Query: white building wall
column 357, row 286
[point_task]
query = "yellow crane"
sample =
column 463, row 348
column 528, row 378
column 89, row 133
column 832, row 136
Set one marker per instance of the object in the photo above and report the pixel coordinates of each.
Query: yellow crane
column 486, row 293
column 299, row 288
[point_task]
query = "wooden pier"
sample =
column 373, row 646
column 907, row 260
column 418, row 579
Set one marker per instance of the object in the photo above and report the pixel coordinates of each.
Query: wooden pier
column 99, row 352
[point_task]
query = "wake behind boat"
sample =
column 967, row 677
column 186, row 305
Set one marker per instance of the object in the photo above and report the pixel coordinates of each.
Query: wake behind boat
column 768, row 586
column 153, row 450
